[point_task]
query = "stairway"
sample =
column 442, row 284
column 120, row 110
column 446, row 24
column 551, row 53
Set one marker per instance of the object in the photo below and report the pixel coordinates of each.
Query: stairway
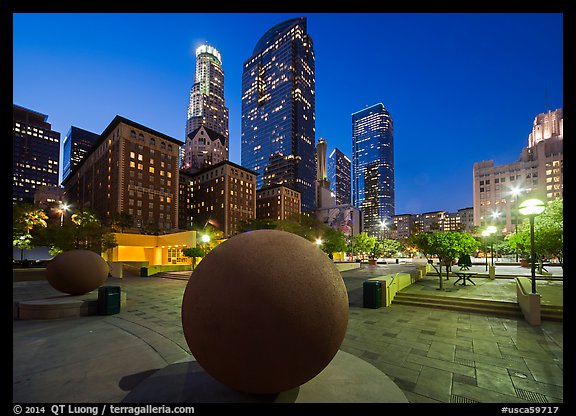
column 482, row 306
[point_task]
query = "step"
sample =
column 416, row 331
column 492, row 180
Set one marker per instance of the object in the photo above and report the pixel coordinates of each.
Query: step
column 549, row 312
column 456, row 300
column 462, row 308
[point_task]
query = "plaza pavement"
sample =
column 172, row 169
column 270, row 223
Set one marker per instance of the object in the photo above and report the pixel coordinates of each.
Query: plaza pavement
column 433, row 355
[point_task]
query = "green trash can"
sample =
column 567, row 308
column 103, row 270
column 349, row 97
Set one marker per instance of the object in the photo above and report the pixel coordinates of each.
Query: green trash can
column 372, row 294
column 108, row 300
column 143, row 271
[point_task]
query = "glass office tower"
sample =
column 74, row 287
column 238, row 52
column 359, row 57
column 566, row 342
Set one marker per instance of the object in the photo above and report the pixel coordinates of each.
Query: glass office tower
column 373, row 167
column 278, row 110
column 339, row 176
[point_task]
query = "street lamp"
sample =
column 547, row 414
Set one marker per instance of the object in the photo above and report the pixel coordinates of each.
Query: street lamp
column 531, row 208
column 63, row 208
column 205, row 239
column 382, row 228
column 516, row 191
column 495, row 215
column 318, row 242
column 485, row 234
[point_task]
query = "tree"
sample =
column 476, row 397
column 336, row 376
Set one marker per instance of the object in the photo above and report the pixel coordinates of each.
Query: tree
column 26, row 217
column 333, row 240
column 548, row 235
column 447, row 246
column 363, row 243
column 390, row 247
column 27, row 222
column 122, row 220
column 88, row 230
column 23, row 241
column 193, row 252
column 376, row 251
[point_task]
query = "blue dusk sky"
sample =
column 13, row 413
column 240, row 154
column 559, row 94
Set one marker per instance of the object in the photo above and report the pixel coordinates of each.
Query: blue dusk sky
column 460, row 87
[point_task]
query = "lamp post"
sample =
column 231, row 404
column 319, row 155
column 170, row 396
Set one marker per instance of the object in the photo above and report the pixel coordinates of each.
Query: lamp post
column 383, row 228
column 515, row 193
column 485, row 234
column 63, row 208
column 205, row 240
column 495, row 215
column 531, row 208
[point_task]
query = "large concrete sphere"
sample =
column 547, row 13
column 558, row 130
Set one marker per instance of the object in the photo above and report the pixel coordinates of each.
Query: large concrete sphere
column 265, row 311
column 77, row 272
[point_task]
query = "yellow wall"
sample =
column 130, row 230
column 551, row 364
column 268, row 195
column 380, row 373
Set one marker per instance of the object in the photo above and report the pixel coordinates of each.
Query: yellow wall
column 150, row 248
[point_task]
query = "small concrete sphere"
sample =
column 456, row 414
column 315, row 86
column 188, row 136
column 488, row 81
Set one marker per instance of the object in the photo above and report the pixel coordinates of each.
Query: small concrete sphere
column 77, row 272
column 265, row 312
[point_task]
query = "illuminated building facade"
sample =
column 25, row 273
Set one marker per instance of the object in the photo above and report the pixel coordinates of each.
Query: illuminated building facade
column 204, row 147
column 373, row 166
column 132, row 169
column 35, row 154
column 224, row 195
column 405, row 225
column 538, row 173
column 339, row 169
column 75, row 145
column 278, row 110
column 278, row 202
column 207, row 106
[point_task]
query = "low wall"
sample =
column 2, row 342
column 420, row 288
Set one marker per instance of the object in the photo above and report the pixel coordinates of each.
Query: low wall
column 392, row 284
column 342, row 267
column 159, row 268
column 529, row 302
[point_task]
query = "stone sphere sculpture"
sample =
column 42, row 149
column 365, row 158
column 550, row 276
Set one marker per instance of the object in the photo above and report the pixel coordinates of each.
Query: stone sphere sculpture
column 77, row 272
column 265, row 312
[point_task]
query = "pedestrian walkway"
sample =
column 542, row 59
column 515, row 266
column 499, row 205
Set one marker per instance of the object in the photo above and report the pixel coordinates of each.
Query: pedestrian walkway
column 434, row 356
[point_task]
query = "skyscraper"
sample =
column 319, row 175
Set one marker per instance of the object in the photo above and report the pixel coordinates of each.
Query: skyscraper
column 373, row 166
column 278, row 110
column 207, row 106
column 35, row 154
column 339, row 169
column 75, row 145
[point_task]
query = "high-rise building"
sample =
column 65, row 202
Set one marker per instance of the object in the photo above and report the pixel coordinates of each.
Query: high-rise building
column 75, row 145
column 324, row 196
column 278, row 110
column 278, row 202
column 539, row 173
column 373, row 166
column 133, row 170
column 35, row 154
column 223, row 195
column 207, row 106
column 339, row 169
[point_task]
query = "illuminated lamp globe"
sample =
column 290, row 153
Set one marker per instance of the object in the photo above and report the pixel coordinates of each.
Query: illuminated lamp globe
column 532, row 207
column 77, row 272
column 265, row 312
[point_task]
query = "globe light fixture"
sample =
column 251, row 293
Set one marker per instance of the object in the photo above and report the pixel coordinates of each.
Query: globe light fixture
column 205, row 240
column 531, row 208
column 63, row 208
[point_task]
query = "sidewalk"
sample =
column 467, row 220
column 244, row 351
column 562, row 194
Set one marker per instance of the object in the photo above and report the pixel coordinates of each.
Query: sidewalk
column 434, row 356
